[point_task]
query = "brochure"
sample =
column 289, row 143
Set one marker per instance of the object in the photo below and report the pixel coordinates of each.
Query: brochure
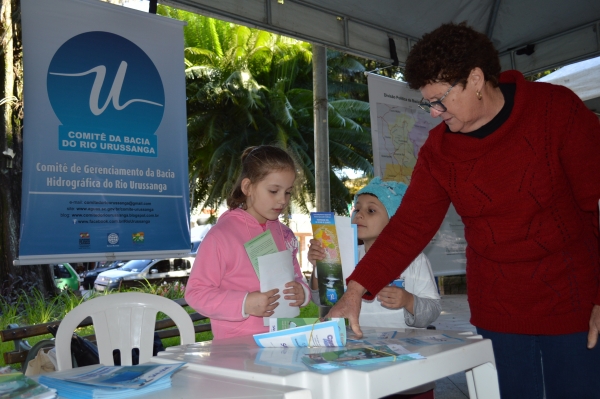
column 262, row 244
column 276, row 270
column 283, row 323
column 348, row 240
column 329, row 270
column 439, row 339
column 111, row 381
column 353, row 357
column 326, row 333
column 18, row 386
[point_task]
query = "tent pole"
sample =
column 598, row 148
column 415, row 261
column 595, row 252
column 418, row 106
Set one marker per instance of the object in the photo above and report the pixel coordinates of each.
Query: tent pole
column 322, row 183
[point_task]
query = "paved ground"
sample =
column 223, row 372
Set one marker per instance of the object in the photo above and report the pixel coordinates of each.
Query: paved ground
column 455, row 316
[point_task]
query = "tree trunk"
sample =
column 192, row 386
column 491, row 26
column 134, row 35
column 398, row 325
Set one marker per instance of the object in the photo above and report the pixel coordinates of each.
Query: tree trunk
column 13, row 279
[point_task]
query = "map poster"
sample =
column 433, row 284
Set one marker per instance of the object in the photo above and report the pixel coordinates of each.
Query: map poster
column 399, row 128
column 105, row 138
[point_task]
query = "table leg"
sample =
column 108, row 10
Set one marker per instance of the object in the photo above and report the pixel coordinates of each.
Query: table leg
column 483, row 382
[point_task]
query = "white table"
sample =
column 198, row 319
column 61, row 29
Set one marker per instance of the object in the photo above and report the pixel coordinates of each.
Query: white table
column 241, row 358
column 188, row 383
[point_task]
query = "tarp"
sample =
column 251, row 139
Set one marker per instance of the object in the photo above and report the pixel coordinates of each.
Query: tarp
column 531, row 35
column 583, row 78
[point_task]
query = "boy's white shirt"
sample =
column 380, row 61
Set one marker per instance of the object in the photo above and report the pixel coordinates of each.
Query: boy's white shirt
column 418, row 280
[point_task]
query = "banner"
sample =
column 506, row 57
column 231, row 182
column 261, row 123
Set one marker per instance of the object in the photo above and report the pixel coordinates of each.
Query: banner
column 105, row 141
column 399, row 128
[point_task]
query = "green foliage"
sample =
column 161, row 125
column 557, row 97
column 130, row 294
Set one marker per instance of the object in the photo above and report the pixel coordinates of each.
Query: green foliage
column 310, row 310
column 8, row 314
column 248, row 87
column 37, row 309
column 68, row 301
column 536, row 76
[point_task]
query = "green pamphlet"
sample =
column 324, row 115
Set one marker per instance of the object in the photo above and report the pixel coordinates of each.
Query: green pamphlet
column 262, row 244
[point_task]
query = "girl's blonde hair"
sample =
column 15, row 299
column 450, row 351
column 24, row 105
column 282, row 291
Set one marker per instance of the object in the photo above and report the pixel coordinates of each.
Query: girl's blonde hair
column 257, row 163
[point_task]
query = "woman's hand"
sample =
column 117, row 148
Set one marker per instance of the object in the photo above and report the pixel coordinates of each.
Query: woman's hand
column 349, row 306
column 261, row 304
column 294, row 292
column 315, row 252
column 396, row 298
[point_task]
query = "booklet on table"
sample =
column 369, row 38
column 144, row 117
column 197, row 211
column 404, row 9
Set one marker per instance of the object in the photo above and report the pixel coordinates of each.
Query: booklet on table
column 18, row 386
column 112, row 382
column 325, row 333
column 351, row 357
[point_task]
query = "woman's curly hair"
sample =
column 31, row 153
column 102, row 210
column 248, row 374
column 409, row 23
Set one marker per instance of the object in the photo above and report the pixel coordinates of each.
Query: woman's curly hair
column 449, row 54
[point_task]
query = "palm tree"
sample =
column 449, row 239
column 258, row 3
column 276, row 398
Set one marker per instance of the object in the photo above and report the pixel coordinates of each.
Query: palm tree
column 249, row 87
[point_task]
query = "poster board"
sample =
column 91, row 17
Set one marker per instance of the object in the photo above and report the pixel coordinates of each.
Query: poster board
column 399, row 128
column 105, row 138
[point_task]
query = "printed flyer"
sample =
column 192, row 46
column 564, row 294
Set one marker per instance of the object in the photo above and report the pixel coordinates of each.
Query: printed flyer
column 329, row 270
column 326, row 333
column 353, row 357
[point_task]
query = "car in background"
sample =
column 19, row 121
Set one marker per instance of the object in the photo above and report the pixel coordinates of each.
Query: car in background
column 87, row 278
column 195, row 246
column 65, row 277
column 192, row 255
column 143, row 269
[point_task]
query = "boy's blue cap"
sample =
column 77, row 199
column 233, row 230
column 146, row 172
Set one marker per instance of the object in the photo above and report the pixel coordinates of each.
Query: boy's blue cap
column 390, row 193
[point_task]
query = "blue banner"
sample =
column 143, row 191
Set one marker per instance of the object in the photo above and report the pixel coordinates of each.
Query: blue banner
column 105, row 138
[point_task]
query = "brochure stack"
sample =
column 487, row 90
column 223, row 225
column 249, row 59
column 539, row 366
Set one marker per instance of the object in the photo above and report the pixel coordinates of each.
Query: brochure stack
column 110, row 382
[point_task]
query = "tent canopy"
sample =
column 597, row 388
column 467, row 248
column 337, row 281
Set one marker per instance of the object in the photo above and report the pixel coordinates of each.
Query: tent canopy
column 583, row 78
column 531, row 35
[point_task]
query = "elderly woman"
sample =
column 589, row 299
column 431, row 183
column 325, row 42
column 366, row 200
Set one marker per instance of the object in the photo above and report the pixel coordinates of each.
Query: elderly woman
column 520, row 162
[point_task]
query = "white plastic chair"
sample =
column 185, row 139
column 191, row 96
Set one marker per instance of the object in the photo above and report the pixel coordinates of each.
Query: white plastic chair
column 121, row 321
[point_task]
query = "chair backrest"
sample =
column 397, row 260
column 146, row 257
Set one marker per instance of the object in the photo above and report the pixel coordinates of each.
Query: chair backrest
column 121, row 321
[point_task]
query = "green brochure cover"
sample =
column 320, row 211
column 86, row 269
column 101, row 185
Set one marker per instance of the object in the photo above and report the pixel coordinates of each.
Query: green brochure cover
column 262, row 244
column 329, row 270
column 283, row 323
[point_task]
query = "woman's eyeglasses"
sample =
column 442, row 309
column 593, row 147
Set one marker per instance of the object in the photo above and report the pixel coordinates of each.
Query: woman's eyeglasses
column 436, row 105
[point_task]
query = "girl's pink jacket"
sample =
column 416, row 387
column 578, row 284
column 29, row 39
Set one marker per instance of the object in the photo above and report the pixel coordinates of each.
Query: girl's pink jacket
column 222, row 274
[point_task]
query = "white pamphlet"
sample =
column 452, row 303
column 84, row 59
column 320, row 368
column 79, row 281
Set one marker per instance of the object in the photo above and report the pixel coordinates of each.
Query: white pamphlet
column 276, row 270
column 347, row 241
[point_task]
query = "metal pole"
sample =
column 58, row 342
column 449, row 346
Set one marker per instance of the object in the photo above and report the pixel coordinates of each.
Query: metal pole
column 322, row 195
column 319, row 61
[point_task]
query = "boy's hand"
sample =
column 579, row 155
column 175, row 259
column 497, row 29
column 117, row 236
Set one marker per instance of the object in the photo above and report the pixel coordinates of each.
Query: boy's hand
column 315, row 252
column 396, row 298
column 294, row 292
column 261, row 304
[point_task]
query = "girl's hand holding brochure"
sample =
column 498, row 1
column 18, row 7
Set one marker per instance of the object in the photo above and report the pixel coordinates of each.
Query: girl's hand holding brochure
column 261, row 304
column 294, row 292
column 315, row 252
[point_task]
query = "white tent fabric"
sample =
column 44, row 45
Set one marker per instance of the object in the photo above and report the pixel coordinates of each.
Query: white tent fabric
column 583, row 78
column 530, row 35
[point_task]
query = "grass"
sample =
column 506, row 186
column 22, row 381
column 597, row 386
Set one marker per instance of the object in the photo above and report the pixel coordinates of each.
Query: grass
column 310, row 310
column 35, row 309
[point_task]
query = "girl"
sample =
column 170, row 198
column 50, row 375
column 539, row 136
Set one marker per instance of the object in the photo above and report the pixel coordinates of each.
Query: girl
column 412, row 300
column 223, row 284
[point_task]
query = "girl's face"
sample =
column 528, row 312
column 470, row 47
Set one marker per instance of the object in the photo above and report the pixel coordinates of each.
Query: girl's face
column 370, row 217
column 267, row 198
